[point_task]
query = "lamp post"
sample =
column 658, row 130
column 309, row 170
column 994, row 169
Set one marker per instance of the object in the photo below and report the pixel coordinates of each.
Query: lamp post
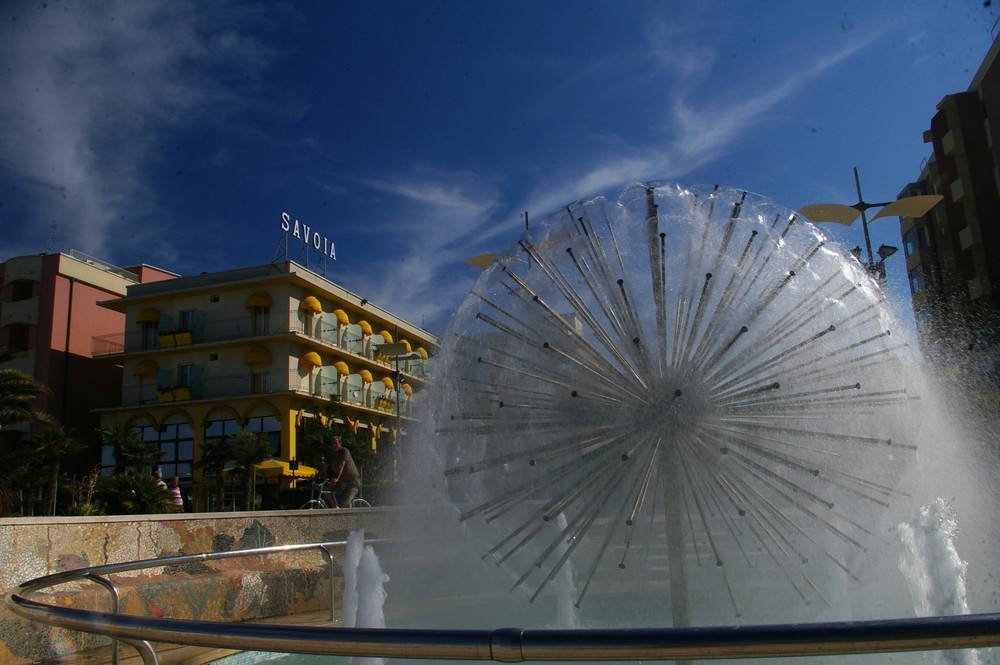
column 911, row 206
column 397, row 351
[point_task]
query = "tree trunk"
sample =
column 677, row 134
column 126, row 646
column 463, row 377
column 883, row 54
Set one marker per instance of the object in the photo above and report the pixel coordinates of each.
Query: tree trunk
column 248, row 493
column 53, row 487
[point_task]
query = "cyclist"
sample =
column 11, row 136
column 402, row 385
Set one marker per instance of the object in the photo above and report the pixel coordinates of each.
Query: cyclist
column 339, row 469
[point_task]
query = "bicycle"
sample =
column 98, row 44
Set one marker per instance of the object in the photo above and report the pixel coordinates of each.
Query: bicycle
column 325, row 488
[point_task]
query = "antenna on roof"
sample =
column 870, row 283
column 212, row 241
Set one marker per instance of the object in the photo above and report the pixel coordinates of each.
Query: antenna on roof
column 52, row 236
column 281, row 250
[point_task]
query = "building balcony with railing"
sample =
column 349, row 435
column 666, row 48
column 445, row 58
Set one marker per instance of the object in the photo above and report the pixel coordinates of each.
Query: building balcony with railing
column 358, row 392
column 357, row 339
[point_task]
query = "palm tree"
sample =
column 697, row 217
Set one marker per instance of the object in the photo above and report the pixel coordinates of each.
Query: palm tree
column 215, row 453
column 248, row 449
column 17, row 390
column 50, row 446
column 134, row 494
column 131, row 452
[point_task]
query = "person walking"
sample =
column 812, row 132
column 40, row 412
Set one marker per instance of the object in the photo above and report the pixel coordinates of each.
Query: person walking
column 175, row 492
column 340, row 470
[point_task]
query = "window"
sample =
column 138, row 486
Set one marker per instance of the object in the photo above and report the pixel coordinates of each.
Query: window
column 176, row 443
column 185, row 375
column 20, row 290
column 271, row 427
column 259, row 382
column 186, row 322
column 149, row 330
column 917, row 278
column 910, row 242
column 260, row 320
column 147, row 389
column 17, row 336
column 217, row 429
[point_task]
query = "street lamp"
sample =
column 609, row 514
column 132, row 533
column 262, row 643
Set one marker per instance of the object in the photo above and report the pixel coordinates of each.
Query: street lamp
column 911, row 206
column 397, row 351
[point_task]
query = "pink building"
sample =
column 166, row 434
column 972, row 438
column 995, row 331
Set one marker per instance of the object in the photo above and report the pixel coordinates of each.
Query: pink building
column 49, row 310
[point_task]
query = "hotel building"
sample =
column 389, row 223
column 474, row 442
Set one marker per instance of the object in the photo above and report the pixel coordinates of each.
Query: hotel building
column 258, row 348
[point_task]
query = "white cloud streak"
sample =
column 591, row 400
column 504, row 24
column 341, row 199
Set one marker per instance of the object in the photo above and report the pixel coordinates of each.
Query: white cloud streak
column 89, row 88
column 697, row 129
column 436, row 219
column 461, row 219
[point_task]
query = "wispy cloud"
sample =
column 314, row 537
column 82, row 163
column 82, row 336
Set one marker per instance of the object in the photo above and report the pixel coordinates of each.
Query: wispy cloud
column 696, row 127
column 436, row 217
column 89, row 89
column 457, row 214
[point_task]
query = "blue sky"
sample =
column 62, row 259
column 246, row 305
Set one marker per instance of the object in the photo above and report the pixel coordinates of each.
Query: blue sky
column 416, row 134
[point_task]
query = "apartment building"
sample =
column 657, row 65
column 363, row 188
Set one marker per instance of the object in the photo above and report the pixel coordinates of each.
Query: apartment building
column 49, row 311
column 258, row 348
column 953, row 254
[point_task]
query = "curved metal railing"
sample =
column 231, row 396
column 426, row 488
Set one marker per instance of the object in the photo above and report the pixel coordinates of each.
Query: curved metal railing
column 502, row 644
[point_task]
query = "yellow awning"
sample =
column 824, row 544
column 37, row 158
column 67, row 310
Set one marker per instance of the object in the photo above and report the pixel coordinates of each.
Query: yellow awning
column 407, row 388
column 148, row 314
column 406, row 343
column 341, row 317
column 258, row 355
column 342, row 368
column 422, row 352
column 366, row 328
column 276, row 468
column 387, row 336
column 310, row 360
column 146, row 367
column 311, row 304
column 366, row 376
column 259, row 299
column 388, row 383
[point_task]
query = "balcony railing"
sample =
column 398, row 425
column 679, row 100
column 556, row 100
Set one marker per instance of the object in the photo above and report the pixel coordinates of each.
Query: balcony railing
column 221, row 330
column 247, row 327
column 321, row 384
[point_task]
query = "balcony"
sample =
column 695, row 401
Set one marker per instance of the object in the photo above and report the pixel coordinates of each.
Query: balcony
column 342, row 338
column 179, row 338
column 320, row 384
column 223, row 330
column 23, row 312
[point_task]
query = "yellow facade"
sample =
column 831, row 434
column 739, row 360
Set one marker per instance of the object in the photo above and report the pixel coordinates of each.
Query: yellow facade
column 268, row 343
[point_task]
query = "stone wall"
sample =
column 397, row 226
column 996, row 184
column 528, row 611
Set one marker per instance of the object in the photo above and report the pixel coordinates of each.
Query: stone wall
column 236, row 589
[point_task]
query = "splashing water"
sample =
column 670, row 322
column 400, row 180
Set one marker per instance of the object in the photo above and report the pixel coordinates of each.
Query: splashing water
column 352, row 559
column 371, row 598
column 364, row 590
column 933, row 569
column 371, row 590
column 683, row 393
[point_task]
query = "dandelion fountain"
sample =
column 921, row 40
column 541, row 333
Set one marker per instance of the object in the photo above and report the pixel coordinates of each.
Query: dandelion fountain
column 680, row 406
column 682, row 413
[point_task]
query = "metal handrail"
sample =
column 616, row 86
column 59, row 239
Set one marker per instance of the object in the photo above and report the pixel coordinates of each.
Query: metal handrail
column 502, row 644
